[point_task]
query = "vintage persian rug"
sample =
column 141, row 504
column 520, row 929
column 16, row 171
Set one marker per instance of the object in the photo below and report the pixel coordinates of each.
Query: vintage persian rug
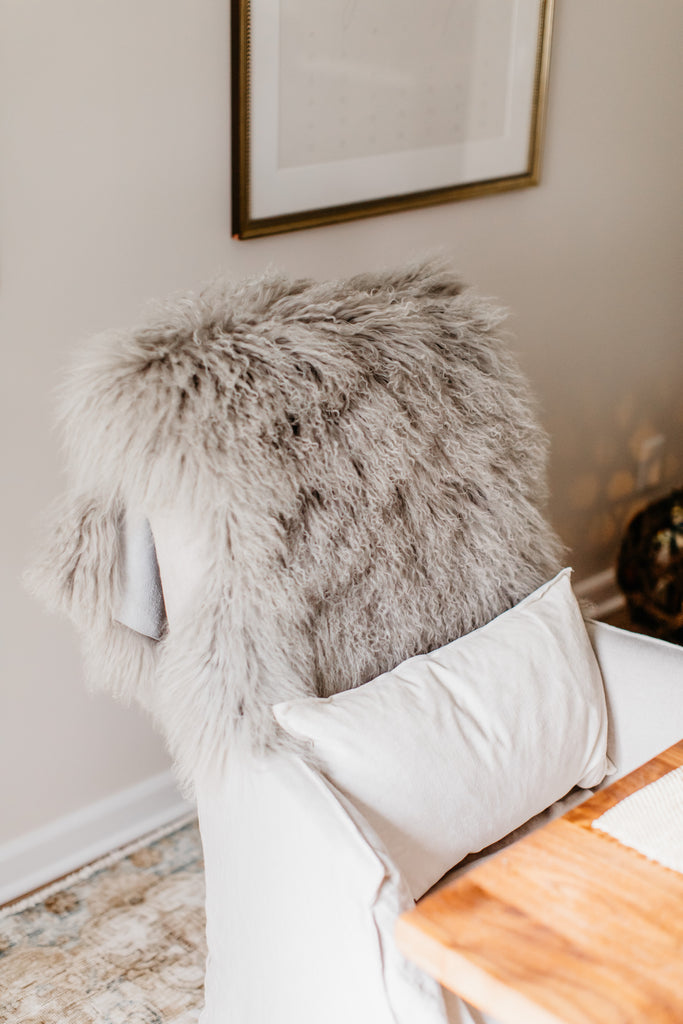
column 121, row 942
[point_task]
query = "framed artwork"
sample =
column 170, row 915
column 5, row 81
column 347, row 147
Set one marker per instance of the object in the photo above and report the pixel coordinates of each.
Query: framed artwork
column 349, row 108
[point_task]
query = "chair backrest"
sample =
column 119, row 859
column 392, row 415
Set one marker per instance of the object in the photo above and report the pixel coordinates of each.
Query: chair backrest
column 361, row 460
column 643, row 680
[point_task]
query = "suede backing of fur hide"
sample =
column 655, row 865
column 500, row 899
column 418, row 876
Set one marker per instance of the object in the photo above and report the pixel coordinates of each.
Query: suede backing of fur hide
column 363, row 460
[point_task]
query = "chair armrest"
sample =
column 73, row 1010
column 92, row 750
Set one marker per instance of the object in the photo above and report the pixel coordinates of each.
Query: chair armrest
column 301, row 901
column 643, row 680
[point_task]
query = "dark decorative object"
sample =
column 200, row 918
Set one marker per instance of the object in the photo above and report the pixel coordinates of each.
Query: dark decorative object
column 650, row 567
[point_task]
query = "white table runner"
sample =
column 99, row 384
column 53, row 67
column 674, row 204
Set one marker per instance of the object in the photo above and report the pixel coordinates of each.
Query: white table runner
column 651, row 820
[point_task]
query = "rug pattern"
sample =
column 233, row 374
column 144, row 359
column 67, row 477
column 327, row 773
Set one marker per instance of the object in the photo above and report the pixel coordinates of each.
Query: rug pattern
column 124, row 946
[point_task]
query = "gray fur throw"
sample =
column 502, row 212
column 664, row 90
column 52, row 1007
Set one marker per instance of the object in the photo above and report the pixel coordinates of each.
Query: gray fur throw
column 362, row 458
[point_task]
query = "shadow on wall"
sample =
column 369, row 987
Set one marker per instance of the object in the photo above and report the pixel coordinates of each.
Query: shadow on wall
column 613, row 466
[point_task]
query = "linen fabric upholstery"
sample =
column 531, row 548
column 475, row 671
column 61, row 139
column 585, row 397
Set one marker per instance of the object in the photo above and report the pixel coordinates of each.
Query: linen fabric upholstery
column 141, row 607
column 454, row 749
column 297, row 880
column 360, row 459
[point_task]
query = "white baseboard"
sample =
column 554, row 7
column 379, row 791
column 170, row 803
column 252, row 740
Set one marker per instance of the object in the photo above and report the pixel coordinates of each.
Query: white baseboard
column 602, row 593
column 76, row 839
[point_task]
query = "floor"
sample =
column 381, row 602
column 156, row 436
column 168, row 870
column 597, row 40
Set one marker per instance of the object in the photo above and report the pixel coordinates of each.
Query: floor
column 622, row 619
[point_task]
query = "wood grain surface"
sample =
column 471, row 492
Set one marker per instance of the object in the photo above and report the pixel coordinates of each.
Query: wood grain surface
column 567, row 925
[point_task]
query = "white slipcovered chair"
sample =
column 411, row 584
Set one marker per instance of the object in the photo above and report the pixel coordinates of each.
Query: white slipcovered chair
column 302, row 894
column 337, row 476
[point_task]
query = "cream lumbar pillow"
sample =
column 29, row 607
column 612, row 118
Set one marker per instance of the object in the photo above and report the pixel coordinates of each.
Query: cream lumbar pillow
column 454, row 749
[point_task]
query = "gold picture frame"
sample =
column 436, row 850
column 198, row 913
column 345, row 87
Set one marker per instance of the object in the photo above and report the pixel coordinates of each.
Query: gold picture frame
column 277, row 84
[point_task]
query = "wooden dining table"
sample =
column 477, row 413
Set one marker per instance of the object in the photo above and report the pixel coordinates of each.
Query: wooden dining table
column 565, row 926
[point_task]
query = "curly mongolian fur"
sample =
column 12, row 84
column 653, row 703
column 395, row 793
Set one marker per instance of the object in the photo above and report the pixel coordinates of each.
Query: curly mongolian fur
column 363, row 459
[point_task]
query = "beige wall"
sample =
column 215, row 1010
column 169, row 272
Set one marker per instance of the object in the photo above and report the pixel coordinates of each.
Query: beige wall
column 115, row 186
